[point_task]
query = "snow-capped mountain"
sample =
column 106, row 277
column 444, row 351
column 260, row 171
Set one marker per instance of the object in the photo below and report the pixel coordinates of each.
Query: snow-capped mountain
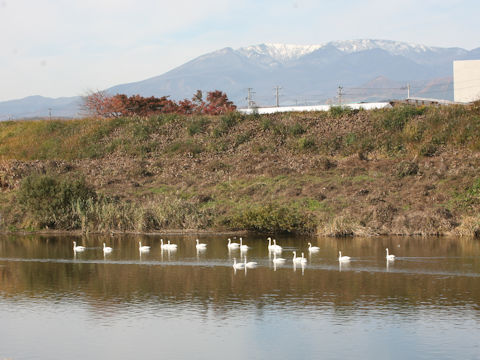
column 306, row 74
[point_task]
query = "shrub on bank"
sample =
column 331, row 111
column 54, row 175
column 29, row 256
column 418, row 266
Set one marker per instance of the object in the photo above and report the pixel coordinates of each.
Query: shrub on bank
column 48, row 201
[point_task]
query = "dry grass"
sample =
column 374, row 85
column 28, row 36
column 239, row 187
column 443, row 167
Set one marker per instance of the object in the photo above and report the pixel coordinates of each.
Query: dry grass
column 399, row 171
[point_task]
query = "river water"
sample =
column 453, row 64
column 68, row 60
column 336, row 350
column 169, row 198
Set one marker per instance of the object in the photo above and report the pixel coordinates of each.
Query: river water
column 58, row 304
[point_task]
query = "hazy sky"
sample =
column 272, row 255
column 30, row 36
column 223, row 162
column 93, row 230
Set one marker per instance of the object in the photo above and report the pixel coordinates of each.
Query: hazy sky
column 66, row 47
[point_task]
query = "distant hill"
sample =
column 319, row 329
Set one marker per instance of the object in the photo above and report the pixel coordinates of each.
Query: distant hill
column 306, row 73
column 39, row 106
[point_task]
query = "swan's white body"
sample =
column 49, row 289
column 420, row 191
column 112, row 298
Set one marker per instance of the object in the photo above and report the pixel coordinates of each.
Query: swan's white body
column 167, row 246
column 299, row 260
column 171, row 246
column 231, row 245
column 277, row 260
column 269, row 243
column 313, row 248
column 237, row 265
column 143, row 248
column 343, row 258
column 78, row 248
column 390, row 256
column 200, row 246
column 274, row 246
column 242, row 246
column 107, row 249
column 250, row 264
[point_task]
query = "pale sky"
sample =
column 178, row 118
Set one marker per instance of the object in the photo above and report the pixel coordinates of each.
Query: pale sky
column 67, row 47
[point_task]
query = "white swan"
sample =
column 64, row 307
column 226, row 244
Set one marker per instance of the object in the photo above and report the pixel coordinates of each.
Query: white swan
column 237, row 265
column 250, row 264
column 343, row 258
column 296, row 259
column 107, row 249
column 242, row 246
column 276, row 247
column 167, row 246
column 200, row 246
column 269, row 243
column 390, row 256
column 231, row 245
column 78, row 248
column 171, row 246
column 277, row 260
column 313, row 248
column 143, row 248
column 273, row 247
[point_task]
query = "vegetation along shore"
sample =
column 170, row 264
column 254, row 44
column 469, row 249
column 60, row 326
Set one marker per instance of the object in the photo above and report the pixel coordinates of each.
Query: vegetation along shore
column 405, row 170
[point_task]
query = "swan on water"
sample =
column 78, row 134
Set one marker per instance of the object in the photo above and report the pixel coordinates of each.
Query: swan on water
column 200, row 246
column 106, row 249
column 167, row 246
column 277, row 260
column 343, row 258
column 237, row 265
column 171, row 246
column 250, row 264
column 274, row 246
column 390, row 256
column 296, row 259
column 78, row 248
column 143, row 248
column 313, row 248
column 231, row 245
column 242, row 246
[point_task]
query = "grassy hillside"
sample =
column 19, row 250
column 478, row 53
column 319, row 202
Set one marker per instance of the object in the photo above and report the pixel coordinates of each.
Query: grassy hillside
column 404, row 170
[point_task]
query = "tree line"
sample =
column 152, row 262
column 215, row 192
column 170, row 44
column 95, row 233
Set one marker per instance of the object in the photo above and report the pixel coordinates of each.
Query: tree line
column 102, row 104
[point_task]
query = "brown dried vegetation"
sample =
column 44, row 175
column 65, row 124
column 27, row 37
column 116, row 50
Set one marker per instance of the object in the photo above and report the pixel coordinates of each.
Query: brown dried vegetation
column 338, row 174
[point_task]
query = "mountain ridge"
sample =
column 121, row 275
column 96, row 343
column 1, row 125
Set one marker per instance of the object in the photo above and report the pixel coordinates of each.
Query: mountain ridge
column 306, row 73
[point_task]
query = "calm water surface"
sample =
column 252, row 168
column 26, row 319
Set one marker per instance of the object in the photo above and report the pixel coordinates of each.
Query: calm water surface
column 55, row 304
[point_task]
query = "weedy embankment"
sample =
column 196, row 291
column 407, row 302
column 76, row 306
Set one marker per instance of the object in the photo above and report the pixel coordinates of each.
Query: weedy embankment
column 404, row 171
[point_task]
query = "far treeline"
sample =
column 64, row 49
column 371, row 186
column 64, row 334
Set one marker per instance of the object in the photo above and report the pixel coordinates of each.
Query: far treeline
column 104, row 105
column 144, row 165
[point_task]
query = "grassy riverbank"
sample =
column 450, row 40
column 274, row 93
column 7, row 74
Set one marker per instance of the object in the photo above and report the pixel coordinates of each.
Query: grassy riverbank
column 397, row 171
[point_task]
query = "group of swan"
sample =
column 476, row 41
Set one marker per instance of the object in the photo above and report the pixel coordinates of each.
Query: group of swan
column 167, row 246
column 244, row 265
column 274, row 247
column 232, row 246
column 389, row 257
column 271, row 247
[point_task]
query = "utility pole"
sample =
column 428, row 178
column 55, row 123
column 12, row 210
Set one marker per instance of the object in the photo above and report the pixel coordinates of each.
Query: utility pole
column 340, row 94
column 50, row 113
column 277, row 102
column 250, row 102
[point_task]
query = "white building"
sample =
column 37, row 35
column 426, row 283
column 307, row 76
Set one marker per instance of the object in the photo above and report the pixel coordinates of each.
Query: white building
column 466, row 80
